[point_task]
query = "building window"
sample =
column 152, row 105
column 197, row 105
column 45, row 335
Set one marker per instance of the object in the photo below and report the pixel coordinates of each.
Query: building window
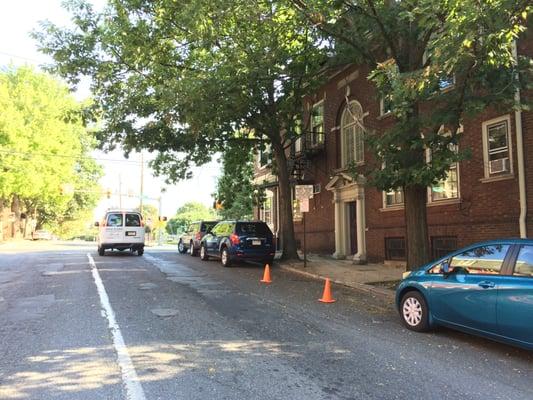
column 442, row 245
column 393, row 198
column 317, row 124
column 447, row 188
column 395, row 248
column 266, row 214
column 497, row 147
column 352, row 134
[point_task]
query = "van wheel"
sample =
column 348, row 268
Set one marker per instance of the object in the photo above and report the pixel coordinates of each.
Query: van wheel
column 414, row 311
column 192, row 251
column 225, row 258
column 140, row 251
column 181, row 247
column 101, row 251
column 203, row 253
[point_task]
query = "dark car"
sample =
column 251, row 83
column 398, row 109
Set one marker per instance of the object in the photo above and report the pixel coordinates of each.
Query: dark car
column 190, row 240
column 485, row 289
column 233, row 241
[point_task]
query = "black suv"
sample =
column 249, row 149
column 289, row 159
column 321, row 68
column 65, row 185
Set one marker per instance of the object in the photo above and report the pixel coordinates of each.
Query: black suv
column 190, row 240
column 233, row 241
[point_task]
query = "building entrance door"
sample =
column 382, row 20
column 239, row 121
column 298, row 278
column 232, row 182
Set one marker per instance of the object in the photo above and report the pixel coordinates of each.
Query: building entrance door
column 352, row 225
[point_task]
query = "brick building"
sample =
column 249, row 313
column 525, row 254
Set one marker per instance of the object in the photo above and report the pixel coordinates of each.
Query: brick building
column 347, row 218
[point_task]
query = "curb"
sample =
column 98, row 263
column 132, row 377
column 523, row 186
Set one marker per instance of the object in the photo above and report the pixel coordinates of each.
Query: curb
column 388, row 294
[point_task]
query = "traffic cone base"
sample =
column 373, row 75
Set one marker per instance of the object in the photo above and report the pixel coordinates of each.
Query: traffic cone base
column 326, row 296
column 266, row 275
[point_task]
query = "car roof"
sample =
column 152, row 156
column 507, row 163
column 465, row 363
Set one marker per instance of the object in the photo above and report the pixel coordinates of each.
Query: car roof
column 122, row 211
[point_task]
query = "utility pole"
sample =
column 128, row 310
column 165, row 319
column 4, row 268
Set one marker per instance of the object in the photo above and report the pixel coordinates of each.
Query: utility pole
column 120, row 191
column 159, row 230
column 142, row 184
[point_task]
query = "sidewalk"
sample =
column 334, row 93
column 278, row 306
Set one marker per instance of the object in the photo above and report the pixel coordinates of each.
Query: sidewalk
column 379, row 279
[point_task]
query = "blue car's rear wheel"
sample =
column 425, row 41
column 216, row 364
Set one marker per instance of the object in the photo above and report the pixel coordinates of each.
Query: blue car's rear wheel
column 225, row 258
column 414, row 311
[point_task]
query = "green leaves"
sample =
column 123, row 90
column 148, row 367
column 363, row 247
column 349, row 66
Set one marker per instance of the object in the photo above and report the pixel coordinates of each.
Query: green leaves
column 43, row 145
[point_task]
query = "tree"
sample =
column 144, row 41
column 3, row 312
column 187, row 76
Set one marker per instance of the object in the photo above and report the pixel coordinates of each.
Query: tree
column 45, row 145
column 182, row 79
column 434, row 63
column 235, row 188
column 188, row 213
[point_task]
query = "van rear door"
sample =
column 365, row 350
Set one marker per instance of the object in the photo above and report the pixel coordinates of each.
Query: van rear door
column 133, row 229
column 113, row 230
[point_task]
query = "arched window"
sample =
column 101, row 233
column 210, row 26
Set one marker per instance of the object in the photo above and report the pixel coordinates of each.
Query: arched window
column 352, row 134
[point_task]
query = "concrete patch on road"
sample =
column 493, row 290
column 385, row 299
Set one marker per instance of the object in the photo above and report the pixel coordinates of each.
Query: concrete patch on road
column 50, row 269
column 30, row 307
column 198, row 281
column 147, row 286
column 165, row 312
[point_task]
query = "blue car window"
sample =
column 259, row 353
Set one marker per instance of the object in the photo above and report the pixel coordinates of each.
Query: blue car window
column 480, row 260
column 524, row 262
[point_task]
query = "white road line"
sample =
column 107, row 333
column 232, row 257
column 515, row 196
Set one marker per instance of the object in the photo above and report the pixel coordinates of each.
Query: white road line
column 134, row 390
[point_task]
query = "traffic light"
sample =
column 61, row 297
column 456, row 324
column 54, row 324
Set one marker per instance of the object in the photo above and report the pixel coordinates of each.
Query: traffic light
column 163, row 219
column 108, row 193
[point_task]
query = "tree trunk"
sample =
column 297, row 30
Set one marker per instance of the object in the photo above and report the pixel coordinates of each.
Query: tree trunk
column 289, row 250
column 416, row 226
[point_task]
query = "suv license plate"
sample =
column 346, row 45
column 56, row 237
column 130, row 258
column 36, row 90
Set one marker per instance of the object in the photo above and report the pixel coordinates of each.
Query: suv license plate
column 130, row 233
column 256, row 243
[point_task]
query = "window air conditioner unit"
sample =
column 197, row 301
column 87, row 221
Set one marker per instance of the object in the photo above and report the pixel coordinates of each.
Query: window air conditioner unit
column 499, row 166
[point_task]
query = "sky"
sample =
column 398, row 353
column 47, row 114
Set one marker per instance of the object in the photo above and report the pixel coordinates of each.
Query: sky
column 17, row 19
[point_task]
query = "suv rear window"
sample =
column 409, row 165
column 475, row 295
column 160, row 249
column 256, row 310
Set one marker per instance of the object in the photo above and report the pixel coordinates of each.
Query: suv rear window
column 253, row 228
column 114, row 220
column 133, row 220
column 207, row 226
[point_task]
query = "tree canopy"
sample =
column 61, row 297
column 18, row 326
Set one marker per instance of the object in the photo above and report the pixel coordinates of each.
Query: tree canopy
column 45, row 149
column 182, row 79
column 234, row 187
column 188, row 213
column 433, row 63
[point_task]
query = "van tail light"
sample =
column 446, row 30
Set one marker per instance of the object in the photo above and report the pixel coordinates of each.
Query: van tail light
column 103, row 223
column 234, row 239
column 198, row 236
column 142, row 223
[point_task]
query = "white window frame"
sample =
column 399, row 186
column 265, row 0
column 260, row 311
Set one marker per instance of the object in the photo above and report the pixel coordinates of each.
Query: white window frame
column 382, row 111
column 323, row 130
column 394, row 206
column 343, row 129
column 486, row 159
column 442, row 131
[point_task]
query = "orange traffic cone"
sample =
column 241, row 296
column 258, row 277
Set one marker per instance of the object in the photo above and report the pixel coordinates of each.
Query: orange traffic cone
column 326, row 296
column 266, row 275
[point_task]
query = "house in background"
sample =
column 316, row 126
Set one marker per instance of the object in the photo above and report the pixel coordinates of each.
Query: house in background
column 348, row 218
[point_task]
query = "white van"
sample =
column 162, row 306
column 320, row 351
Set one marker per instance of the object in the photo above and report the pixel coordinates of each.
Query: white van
column 121, row 230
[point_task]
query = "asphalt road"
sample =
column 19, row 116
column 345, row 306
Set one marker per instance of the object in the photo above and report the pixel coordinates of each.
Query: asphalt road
column 169, row 326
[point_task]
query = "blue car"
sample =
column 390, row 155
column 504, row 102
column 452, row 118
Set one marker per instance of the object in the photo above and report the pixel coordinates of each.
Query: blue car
column 485, row 289
column 233, row 241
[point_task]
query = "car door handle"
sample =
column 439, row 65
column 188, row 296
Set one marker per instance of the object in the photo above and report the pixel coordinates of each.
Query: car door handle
column 486, row 284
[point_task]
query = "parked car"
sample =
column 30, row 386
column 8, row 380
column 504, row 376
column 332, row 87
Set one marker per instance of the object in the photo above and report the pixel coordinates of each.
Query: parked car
column 41, row 234
column 190, row 240
column 484, row 289
column 121, row 230
column 233, row 241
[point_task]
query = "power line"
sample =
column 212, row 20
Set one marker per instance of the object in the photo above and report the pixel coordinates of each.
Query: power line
column 21, row 57
column 26, row 154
